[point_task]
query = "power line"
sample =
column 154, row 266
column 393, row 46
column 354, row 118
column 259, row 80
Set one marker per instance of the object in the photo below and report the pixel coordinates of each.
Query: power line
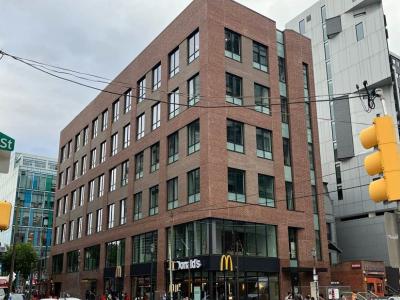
column 179, row 104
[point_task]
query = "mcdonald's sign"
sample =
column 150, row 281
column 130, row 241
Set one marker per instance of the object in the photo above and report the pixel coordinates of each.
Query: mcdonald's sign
column 225, row 264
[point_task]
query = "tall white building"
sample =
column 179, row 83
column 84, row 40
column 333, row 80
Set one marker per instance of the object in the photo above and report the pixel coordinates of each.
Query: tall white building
column 349, row 43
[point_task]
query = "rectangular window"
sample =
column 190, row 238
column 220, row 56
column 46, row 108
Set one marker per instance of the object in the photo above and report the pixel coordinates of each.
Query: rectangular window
column 103, row 151
column 174, row 63
column 128, row 101
column 73, row 261
column 260, row 57
column 233, row 89
column 194, row 90
column 75, row 170
column 261, row 95
column 172, row 193
column 124, row 173
column 89, row 223
column 69, row 149
column 284, row 110
column 115, row 254
column 127, row 136
column 173, row 104
column 154, row 157
column 302, row 27
column 110, row 221
column 67, row 170
column 360, row 31
column 140, row 123
column 122, row 212
column 193, row 130
column 77, row 142
column 153, row 205
column 82, row 195
column 232, row 45
column 139, row 165
column 65, row 204
column 311, row 156
column 236, row 185
column 83, row 165
column 144, row 248
column 115, row 111
column 93, row 158
column 193, row 179
column 114, row 144
column 79, row 233
column 286, row 152
column 173, row 147
column 113, row 179
column 266, row 194
column 141, row 89
column 156, row 77
column 155, row 116
column 85, row 135
column 99, row 220
column 71, row 230
column 289, row 196
column 264, row 143
column 282, row 69
column 63, row 232
column 235, row 136
column 137, row 206
column 104, row 120
column 95, row 126
column 100, row 190
column 74, row 196
column 193, row 46
column 92, row 258
column 91, row 190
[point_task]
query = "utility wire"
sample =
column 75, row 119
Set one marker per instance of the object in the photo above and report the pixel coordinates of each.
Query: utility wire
column 179, row 104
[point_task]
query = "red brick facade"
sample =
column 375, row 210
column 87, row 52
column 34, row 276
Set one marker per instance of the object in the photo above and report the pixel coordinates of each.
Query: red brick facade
column 213, row 159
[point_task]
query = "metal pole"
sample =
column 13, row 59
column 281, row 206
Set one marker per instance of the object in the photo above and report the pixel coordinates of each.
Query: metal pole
column 315, row 275
column 14, row 251
column 379, row 93
column 170, row 261
column 237, row 269
column 151, row 270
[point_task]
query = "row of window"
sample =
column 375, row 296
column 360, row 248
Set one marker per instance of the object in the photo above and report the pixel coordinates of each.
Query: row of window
column 82, row 138
column 232, row 50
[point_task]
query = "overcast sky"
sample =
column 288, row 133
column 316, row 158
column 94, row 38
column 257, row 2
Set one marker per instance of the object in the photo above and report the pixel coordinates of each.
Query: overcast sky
column 95, row 36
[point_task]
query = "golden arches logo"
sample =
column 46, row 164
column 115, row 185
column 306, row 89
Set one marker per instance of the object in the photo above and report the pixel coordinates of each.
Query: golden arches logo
column 225, row 264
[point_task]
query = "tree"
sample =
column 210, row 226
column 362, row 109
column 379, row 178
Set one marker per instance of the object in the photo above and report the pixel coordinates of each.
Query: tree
column 25, row 258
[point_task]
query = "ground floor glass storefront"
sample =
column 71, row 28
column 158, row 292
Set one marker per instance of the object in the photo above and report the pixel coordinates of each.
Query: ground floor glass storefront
column 225, row 286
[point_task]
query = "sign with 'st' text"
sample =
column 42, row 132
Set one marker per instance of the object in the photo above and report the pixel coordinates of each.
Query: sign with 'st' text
column 6, row 143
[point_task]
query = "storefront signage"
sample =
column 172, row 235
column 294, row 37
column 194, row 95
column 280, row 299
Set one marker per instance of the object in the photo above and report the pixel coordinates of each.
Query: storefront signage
column 356, row 266
column 190, row 264
column 225, row 264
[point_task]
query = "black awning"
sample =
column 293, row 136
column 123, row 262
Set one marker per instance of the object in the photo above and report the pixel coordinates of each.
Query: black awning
column 332, row 246
column 302, row 269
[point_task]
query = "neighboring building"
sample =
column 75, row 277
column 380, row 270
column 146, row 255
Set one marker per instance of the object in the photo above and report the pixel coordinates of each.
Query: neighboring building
column 362, row 276
column 349, row 45
column 176, row 165
column 30, row 187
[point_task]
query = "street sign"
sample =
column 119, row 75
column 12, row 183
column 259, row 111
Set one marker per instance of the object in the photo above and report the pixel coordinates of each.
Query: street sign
column 6, row 143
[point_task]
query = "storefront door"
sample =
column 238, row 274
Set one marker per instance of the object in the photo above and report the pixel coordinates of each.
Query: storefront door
column 375, row 285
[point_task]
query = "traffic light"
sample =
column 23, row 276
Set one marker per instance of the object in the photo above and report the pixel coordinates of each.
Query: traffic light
column 386, row 160
column 5, row 215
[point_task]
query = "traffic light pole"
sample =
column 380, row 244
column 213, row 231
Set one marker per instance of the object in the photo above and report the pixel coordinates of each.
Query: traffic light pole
column 14, row 251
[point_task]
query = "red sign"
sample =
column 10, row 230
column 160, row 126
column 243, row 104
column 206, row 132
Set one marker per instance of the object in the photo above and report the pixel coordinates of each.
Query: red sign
column 356, row 266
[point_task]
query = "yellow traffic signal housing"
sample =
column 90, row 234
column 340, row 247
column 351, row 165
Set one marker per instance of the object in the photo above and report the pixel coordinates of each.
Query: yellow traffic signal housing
column 5, row 214
column 387, row 160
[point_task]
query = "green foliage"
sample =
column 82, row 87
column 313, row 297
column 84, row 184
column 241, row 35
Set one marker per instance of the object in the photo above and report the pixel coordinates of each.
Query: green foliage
column 25, row 259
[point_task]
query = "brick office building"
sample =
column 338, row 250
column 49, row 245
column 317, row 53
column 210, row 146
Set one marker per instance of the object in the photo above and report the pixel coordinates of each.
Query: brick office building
column 177, row 157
